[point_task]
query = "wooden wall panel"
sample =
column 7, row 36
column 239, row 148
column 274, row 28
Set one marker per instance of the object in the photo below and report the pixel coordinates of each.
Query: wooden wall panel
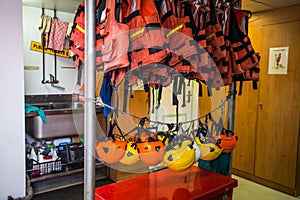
column 207, row 103
column 137, row 106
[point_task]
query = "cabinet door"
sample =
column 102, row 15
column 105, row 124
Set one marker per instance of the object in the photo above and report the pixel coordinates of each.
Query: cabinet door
column 245, row 127
column 246, row 117
column 278, row 118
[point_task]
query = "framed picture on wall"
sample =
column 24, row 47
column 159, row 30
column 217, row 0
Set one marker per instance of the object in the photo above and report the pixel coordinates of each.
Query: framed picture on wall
column 278, row 60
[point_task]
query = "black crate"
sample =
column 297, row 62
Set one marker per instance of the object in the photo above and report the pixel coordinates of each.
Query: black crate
column 69, row 153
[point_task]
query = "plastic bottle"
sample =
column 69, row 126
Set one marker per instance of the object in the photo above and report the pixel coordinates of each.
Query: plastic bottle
column 56, row 162
column 35, row 166
column 41, row 163
column 33, row 155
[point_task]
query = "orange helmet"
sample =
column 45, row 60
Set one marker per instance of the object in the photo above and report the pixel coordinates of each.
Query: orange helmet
column 151, row 153
column 227, row 140
column 111, row 151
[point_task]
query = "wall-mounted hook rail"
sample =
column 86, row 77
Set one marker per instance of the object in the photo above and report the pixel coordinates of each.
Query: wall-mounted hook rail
column 53, row 78
column 43, row 46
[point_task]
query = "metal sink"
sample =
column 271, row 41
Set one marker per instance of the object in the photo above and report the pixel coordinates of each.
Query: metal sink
column 59, row 105
column 63, row 119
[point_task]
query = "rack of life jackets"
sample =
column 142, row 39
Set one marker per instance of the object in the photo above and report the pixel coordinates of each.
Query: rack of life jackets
column 158, row 40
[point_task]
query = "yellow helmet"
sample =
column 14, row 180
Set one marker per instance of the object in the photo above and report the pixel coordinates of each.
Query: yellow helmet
column 165, row 137
column 131, row 154
column 208, row 151
column 181, row 157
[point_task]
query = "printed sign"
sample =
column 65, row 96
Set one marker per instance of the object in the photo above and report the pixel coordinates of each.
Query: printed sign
column 278, row 60
column 37, row 46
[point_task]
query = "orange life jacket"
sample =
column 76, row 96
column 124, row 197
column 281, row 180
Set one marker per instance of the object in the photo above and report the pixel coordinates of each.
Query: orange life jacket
column 245, row 60
column 244, row 57
column 99, row 38
column 115, row 44
column 214, row 34
column 156, row 36
column 179, row 44
column 224, row 65
column 76, row 44
column 199, row 61
column 146, row 39
column 253, row 73
column 200, row 37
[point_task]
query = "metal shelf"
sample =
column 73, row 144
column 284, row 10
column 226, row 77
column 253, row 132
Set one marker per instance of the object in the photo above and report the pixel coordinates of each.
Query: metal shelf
column 57, row 181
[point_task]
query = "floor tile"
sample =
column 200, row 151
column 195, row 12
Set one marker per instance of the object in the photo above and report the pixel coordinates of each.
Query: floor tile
column 248, row 190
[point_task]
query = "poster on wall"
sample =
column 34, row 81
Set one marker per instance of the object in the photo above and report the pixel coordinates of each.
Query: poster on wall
column 278, row 60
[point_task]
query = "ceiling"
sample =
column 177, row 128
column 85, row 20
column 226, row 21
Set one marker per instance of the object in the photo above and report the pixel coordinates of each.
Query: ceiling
column 70, row 6
column 263, row 5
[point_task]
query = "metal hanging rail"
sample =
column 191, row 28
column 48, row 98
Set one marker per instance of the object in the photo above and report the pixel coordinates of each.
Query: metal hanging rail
column 89, row 111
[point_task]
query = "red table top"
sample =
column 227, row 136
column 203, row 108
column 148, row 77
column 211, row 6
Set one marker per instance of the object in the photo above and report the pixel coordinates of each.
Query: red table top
column 167, row 184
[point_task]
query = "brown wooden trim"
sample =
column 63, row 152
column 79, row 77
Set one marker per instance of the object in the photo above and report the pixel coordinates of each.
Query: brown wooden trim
column 298, row 164
column 264, row 182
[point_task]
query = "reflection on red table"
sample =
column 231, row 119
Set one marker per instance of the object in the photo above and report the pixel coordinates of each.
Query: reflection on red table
column 194, row 183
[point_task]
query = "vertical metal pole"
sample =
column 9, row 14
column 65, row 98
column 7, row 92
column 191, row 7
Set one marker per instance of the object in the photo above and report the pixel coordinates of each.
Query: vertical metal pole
column 231, row 116
column 55, row 57
column 89, row 111
column 231, row 104
column 43, row 44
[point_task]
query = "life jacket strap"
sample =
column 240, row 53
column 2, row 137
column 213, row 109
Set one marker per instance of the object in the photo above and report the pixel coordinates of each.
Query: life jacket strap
column 153, row 26
column 166, row 16
column 131, row 16
column 125, row 99
column 159, row 96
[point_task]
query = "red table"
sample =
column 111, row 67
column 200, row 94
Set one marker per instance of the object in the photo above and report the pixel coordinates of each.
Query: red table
column 194, row 183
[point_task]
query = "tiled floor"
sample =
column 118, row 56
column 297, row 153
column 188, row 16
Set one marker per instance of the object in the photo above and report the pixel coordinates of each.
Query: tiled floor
column 248, row 190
